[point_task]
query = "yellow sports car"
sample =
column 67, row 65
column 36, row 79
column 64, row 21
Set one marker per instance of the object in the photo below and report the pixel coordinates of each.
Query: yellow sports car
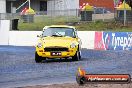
column 58, row 41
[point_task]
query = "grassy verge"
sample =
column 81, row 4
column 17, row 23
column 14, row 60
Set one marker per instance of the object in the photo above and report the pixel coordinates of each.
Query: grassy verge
column 104, row 26
column 41, row 21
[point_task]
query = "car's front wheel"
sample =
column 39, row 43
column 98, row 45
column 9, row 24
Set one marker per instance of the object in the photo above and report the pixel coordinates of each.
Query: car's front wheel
column 38, row 58
column 77, row 56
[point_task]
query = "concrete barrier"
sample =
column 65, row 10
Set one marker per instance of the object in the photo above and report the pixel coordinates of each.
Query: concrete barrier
column 90, row 39
column 87, row 38
column 4, row 32
column 29, row 38
column 23, row 38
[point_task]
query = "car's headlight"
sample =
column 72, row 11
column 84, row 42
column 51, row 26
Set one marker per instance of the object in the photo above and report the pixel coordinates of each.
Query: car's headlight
column 39, row 45
column 73, row 45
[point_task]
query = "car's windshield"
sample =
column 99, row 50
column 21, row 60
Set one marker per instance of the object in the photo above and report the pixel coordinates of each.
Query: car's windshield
column 59, row 32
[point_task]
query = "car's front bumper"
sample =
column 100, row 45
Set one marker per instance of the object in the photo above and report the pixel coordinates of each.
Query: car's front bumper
column 64, row 54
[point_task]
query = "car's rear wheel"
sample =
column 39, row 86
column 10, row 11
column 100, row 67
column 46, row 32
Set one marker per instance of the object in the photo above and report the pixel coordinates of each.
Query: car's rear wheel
column 77, row 56
column 38, row 58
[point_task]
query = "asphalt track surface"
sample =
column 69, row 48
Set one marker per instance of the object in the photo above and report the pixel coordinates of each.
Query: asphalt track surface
column 18, row 68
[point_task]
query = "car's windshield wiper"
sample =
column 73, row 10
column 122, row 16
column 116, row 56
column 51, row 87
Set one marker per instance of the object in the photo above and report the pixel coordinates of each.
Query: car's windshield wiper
column 57, row 35
column 44, row 36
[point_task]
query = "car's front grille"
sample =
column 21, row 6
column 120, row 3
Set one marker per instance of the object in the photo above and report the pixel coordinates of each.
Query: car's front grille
column 50, row 49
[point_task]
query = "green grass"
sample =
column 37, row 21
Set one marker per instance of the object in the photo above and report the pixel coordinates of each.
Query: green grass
column 41, row 21
column 103, row 26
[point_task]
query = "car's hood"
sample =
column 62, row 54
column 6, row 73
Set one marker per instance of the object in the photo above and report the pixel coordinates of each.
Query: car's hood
column 58, row 41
